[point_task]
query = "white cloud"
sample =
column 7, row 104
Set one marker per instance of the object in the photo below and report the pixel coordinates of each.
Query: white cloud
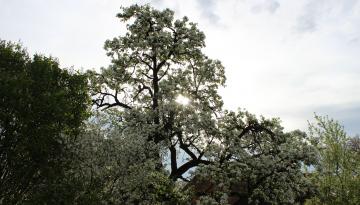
column 316, row 12
column 208, row 10
column 265, row 5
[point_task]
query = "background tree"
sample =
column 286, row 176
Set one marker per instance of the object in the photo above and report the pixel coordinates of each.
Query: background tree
column 42, row 107
column 337, row 173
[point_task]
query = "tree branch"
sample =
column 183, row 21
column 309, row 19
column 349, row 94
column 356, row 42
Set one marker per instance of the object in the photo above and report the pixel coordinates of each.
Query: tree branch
column 100, row 102
column 173, row 158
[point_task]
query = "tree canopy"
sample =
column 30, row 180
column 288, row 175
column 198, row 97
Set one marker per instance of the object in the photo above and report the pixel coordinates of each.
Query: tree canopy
column 159, row 60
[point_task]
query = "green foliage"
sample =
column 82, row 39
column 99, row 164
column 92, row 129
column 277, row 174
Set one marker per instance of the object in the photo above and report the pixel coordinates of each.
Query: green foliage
column 337, row 174
column 41, row 108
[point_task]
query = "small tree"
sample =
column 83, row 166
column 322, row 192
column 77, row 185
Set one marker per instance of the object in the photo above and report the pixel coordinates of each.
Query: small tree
column 337, row 173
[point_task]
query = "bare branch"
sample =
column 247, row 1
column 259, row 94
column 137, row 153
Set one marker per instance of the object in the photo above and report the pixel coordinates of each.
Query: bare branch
column 105, row 105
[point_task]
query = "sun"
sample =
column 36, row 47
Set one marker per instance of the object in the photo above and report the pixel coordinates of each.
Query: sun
column 182, row 100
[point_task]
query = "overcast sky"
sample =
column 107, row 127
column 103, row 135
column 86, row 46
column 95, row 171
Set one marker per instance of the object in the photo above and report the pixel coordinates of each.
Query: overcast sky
column 283, row 58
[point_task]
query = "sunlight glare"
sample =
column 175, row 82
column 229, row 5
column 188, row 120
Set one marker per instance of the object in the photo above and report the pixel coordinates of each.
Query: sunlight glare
column 182, row 100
